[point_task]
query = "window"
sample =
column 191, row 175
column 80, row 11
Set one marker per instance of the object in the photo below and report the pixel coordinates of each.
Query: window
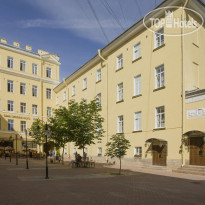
column 35, row 109
column 10, row 86
column 48, row 72
column 74, row 150
column 136, row 51
column 57, row 100
column 119, row 61
column 10, row 125
column 48, row 93
column 137, row 85
column 99, row 151
column 73, row 90
column 23, row 107
column 137, row 121
column 120, row 92
column 120, row 124
column 34, row 69
column 159, row 38
column 86, row 150
column 22, row 88
column 64, row 95
column 10, row 63
column 159, row 77
column 22, row 66
column 34, row 91
column 10, row 105
column 49, row 112
column 98, row 97
column 98, row 75
column 160, row 117
column 138, row 151
column 23, row 126
column 84, row 83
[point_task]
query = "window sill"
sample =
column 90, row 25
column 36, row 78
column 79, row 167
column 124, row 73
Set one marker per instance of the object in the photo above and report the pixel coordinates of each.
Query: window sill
column 119, row 101
column 135, row 96
column 98, row 81
column 156, row 129
column 117, row 133
column 118, row 69
column 137, row 131
column 161, row 88
column 159, row 47
column 84, row 89
column 137, row 59
column 72, row 95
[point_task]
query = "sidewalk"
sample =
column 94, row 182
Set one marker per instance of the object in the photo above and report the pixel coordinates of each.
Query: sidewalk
column 154, row 171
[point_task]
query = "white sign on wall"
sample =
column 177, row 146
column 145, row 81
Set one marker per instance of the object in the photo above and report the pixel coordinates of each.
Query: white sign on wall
column 195, row 113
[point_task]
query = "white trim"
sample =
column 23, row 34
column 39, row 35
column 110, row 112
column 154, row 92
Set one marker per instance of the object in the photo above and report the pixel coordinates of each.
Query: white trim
column 11, row 72
column 49, row 55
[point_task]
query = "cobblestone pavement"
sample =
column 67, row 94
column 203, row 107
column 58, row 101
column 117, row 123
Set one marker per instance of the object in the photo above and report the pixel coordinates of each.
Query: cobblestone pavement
column 92, row 186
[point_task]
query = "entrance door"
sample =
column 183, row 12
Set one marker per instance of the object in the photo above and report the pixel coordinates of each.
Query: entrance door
column 159, row 155
column 197, row 151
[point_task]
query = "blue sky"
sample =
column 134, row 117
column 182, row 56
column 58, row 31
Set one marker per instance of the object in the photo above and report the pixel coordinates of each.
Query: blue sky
column 69, row 28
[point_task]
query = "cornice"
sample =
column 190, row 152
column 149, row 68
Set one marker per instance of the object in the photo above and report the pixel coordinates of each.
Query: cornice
column 24, row 75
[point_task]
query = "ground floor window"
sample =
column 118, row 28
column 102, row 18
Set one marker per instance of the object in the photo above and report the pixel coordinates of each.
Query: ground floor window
column 138, row 152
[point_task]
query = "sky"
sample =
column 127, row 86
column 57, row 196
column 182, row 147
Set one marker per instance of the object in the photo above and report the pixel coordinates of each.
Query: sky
column 72, row 29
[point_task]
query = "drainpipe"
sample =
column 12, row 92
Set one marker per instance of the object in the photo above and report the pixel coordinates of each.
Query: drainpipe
column 99, row 54
column 183, row 86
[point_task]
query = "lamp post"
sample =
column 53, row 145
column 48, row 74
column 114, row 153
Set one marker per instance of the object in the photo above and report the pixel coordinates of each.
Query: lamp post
column 10, row 138
column 16, row 152
column 26, row 150
column 47, row 134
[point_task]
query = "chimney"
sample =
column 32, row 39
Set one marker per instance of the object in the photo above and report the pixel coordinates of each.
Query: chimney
column 3, row 40
column 16, row 44
column 28, row 48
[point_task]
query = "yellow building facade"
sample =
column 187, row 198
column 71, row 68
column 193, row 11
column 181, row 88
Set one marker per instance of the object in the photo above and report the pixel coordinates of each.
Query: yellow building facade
column 144, row 81
column 27, row 80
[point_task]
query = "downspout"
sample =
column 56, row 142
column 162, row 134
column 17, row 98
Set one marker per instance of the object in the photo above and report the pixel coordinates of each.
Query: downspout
column 183, row 86
column 99, row 54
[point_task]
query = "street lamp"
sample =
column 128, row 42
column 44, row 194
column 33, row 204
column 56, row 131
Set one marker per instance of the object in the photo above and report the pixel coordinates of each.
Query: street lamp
column 47, row 129
column 10, row 138
column 16, row 152
column 26, row 150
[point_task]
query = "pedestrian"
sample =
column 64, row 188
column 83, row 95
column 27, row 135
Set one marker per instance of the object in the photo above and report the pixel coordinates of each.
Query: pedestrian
column 54, row 153
column 10, row 156
column 5, row 155
column 49, row 153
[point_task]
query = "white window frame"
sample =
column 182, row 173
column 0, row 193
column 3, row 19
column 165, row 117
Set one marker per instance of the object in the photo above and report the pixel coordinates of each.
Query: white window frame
column 137, row 85
column 138, row 121
column 119, row 62
column 119, row 92
column 48, row 72
column 159, row 77
column 84, row 83
column 136, row 51
column 10, row 62
column 23, row 88
column 35, row 109
column 34, row 69
column 64, row 95
column 98, row 97
column 23, row 65
column 49, row 112
column 10, row 125
column 34, row 91
column 159, row 38
column 57, row 100
column 98, row 75
column 48, row 93
column 10, row 86
column 23, row 107
column 23, row 126
column 10, row 105
column 138, row 151
column 160, row 117
column 73, row 90
column 120, row 124
column 99, row 151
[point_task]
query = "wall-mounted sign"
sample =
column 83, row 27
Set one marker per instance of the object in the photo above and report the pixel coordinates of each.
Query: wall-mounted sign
column 195, row 113
column 17, row 117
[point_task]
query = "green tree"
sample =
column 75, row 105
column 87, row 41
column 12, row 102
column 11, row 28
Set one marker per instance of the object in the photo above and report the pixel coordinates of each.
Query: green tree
column 87, row 123
column 117, row 147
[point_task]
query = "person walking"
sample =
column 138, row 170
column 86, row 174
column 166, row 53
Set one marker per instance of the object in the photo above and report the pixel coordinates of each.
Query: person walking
column 10, row 156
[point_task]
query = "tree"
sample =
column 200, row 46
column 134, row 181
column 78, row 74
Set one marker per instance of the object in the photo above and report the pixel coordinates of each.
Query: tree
column 117, row 147
column 87, row 123
column 61, row 128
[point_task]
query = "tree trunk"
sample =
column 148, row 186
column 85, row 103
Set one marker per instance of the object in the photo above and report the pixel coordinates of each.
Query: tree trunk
column 63, row 155
column 120, row 167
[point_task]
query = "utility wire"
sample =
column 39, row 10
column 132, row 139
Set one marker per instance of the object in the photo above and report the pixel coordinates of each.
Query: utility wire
column 98, row 21
column 122, row 13
column 111, row 12
column 138, row 7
